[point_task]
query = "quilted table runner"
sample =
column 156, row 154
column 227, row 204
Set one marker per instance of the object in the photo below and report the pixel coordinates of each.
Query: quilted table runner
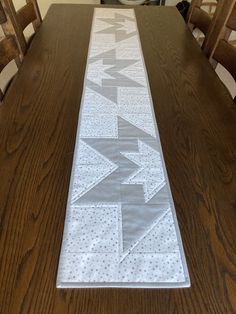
column 120, row 228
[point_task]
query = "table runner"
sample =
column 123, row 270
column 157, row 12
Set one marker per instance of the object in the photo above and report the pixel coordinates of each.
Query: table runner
column 120, row 228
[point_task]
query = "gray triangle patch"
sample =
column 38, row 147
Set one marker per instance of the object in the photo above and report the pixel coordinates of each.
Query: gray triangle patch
column 109, row 92
column 115, row 25
column 110, row 54
column 136, row 220
column 121, row 35
column 161, row 197
column 126, row 129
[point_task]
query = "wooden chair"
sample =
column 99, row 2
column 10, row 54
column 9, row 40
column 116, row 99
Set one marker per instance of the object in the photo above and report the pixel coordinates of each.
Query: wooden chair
column 216, row 46
column 20, row 19
column 8, row 48
column 206, row 11
column 198, row 17
column 217, row 29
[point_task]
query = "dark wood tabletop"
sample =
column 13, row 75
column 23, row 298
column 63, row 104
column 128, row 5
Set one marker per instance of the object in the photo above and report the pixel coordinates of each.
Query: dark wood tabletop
column 38, row 121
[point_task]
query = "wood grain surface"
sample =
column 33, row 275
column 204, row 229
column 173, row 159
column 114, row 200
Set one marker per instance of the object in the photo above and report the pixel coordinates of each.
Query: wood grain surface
column 38, row 119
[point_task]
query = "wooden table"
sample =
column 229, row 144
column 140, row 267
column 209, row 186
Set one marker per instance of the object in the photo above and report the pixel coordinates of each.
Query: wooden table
column 38, row 121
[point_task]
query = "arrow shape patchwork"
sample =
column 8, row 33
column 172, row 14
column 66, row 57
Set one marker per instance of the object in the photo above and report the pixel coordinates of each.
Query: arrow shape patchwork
column 150, row 172
column 91, row 168
column 106, row 174
column 110, row 66
column 117, row 24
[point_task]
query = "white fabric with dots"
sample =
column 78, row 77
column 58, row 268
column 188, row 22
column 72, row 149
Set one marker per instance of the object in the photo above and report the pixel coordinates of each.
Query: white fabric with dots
column 121, row 228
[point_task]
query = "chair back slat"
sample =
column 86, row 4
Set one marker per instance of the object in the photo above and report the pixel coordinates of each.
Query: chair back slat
column 8, row 51
column 3, row 17
column 37, row 22
column 217, row 27
column 26, row 15
column 20, row 19
column 8, row 46
column 232, row 20
column 201, row 20
column 225, row 54
column 194, row 4
column 216, row 46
